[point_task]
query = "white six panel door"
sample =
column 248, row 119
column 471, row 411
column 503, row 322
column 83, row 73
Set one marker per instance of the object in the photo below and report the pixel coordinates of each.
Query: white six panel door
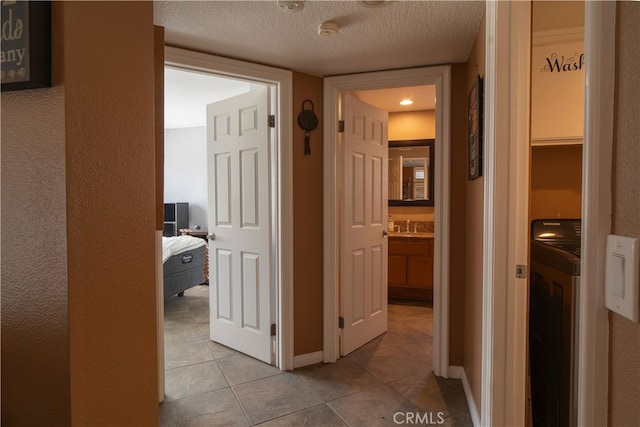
column 239, row 218
column 363, row 301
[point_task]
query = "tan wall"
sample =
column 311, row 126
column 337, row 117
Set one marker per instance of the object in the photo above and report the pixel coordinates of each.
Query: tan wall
column 78, row 327
column 412, row 213
column 307, row 221
column 412, row 125
column 624, row 393
column 35, row 327
column 556, row 182
column 474, row 220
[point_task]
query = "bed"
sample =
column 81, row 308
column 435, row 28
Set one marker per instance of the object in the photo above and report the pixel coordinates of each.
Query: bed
column 183, row 263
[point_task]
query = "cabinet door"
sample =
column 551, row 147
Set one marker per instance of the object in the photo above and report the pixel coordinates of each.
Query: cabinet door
column 397, row 270
column 420, row 272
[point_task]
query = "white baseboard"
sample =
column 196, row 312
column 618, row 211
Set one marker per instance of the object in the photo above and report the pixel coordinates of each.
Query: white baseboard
column 456, row 372
column 459, row 373
column 308, row 359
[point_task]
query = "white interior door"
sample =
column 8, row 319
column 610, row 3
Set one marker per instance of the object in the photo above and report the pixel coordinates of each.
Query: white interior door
column 364, row 244
column 238, row 147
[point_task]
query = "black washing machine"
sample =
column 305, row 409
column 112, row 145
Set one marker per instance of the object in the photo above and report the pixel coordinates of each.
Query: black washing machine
column 553, row 316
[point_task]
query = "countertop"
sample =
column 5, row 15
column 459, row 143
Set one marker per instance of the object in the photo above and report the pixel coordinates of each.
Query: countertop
column 409, row 235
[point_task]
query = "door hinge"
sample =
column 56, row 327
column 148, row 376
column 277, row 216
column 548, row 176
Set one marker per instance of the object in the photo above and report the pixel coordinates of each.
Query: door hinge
column 341, row 322
column 521, row 271
column 272, row 121
column 273, row 329
column 340, row 125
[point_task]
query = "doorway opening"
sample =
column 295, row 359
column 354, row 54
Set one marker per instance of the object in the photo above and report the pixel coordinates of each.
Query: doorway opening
column 187, row 173
column 555, row 202
column 410, row 129
column 335, row 87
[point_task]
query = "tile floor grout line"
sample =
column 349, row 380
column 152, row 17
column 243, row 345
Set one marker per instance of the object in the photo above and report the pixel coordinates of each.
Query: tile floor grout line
column 339, row 416
column 259, row 379
column 397, row 333
column 430, row 371
column 242, row 408
column 292, row 413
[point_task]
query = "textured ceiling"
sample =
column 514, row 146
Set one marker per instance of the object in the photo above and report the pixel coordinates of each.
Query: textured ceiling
column 400, row 35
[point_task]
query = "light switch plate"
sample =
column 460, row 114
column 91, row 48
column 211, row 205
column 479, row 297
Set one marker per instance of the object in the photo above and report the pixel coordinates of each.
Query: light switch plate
column 622, row 284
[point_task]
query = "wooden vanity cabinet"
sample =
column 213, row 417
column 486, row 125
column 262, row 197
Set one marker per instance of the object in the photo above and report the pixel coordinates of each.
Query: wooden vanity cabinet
column 411, row 268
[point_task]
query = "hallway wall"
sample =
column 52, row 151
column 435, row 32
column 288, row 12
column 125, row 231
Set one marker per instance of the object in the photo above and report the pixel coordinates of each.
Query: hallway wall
column 35, row 326
column 474, row 247
column 624, row 374
column 307, row 221
column 79, row 298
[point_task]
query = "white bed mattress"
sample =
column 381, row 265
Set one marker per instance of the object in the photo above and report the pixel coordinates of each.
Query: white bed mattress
column 178, row 244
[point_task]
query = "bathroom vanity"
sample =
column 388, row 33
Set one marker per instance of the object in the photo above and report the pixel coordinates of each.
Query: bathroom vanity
column 411, row 265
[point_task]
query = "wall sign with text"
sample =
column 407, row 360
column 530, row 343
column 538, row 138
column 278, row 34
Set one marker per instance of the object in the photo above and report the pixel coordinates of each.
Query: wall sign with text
column 26, row 45
column 557, row 87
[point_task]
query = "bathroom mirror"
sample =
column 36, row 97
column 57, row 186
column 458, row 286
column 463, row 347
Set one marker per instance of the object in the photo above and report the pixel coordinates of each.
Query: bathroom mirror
column 411, row 172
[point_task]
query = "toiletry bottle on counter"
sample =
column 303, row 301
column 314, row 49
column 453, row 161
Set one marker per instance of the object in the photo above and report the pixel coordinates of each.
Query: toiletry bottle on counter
column 391, row 224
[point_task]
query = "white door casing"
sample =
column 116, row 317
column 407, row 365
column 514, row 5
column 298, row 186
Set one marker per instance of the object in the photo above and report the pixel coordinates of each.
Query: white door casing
column 238, row 151
column 597, row 176
column 364, row 244
column 440, row 76
column 281, row 82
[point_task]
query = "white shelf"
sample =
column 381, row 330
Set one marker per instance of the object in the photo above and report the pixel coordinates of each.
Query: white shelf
column 565, row 140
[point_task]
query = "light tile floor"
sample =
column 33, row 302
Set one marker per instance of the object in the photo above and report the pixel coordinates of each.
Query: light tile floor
column 208, row 384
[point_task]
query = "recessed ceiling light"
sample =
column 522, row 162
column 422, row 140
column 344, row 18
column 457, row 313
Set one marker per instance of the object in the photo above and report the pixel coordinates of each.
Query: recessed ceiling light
column 406, row 102
column 291, row 6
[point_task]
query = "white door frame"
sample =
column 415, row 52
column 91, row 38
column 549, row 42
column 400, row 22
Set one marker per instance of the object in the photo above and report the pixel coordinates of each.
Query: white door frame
column 506, row 213
column 283, row 164
column 506, row 128
column 440, row 76
column 593, row 363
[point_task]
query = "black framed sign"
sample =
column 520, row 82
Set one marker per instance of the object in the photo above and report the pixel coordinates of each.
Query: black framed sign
column 26, row 45
column 474, row 130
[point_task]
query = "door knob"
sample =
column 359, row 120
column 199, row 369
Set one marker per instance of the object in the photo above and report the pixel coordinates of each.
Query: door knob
column 211, row 236
column 385, row 233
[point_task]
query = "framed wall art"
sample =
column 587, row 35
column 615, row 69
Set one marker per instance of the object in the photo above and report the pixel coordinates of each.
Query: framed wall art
column 26, row 45
column 474, row 130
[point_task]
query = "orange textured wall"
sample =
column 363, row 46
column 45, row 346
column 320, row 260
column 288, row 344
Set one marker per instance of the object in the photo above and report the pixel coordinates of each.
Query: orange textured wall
column 307, row 221
column 110, row 184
